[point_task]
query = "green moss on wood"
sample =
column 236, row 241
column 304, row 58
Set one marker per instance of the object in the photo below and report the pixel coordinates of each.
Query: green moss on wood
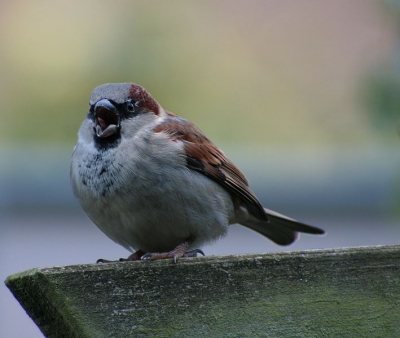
column 322, row 293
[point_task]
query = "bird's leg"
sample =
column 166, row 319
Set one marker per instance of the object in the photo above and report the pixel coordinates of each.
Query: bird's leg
column 136, row 256
column 178, row 252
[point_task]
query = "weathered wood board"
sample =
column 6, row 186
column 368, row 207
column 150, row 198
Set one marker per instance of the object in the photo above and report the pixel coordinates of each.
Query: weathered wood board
column 350, row 292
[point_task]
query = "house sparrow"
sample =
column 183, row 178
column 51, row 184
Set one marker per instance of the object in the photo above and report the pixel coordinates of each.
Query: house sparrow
column 152, row 182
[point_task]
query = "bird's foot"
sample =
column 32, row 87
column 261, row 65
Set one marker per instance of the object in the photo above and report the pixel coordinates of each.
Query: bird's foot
column 136, row 256
column 178, row 252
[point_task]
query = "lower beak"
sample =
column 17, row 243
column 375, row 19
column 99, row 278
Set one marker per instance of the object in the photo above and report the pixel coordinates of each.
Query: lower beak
column 107, row 119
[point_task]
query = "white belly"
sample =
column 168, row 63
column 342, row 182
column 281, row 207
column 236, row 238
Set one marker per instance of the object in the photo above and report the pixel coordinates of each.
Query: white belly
column 155, row 210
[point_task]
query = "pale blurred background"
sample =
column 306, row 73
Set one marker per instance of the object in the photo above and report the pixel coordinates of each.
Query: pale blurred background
column 302, row 95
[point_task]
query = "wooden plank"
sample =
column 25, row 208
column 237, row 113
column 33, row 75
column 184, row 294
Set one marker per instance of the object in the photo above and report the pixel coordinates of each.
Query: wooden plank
column 350, row 292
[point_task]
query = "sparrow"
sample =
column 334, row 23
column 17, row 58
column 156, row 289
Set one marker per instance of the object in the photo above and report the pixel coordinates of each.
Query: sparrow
column 155, row 184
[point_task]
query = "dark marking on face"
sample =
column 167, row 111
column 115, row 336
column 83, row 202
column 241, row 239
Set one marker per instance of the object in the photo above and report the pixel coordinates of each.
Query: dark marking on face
column 128, row 101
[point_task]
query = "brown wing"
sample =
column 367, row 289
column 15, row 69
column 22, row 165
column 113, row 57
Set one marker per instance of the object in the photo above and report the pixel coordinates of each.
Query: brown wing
column 205, row 157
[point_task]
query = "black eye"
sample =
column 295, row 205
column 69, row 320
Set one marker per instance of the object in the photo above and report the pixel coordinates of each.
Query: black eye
column 130, row 107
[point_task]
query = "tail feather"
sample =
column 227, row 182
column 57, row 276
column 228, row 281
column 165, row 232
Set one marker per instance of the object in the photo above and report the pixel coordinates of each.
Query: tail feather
column 280, row 228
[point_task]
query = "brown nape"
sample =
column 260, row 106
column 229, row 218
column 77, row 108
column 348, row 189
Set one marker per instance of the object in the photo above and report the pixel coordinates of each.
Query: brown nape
column 144, row 99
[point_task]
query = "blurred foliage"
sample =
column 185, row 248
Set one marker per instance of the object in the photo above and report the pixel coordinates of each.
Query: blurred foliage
column 265, row 72
column 381, row 86
column 382, row 99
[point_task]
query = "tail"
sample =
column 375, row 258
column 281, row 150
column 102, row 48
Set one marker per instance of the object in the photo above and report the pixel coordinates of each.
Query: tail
column 281, row 229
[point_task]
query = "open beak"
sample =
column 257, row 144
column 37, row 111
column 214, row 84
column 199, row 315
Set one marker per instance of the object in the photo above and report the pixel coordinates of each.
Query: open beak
column 107, row 119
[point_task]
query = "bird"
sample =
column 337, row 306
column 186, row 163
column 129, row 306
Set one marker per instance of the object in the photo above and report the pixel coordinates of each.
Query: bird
column 155, row 184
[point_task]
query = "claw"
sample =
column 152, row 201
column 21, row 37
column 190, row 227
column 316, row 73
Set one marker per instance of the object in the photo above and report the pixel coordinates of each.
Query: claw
column 147, row 256
column 133, row 257
column 193, row 253
column 101, row 260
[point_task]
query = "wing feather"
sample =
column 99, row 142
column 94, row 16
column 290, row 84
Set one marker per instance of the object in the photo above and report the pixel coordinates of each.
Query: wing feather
column 205, row 157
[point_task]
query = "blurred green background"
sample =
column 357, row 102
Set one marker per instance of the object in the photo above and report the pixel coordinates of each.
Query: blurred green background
column 302, row 95
column 251, row 72
column 279, row 85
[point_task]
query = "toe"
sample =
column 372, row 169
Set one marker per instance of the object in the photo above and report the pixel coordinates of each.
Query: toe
column 193, row 253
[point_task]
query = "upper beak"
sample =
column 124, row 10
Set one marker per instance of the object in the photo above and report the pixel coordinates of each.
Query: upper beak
column 107, row 118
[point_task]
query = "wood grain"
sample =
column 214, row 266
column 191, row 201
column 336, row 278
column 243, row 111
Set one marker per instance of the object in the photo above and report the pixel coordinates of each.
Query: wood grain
column 349, row 292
